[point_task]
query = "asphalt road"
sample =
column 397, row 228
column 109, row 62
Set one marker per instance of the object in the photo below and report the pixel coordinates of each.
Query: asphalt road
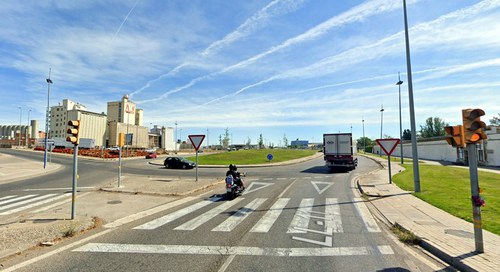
column 292, row 218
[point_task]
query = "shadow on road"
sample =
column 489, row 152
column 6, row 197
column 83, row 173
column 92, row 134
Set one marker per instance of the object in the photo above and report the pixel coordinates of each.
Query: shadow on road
column 325, row 170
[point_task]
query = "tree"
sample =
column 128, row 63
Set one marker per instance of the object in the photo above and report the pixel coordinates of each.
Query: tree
column 495, row 121
column 249, row 143
column 406, row 135
column 261, row 141
column 364, row 142
column 225, row 141
column 433, row 127
column 285, row 141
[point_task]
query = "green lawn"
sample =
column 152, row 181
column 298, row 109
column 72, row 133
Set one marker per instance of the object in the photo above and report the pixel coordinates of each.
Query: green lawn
column 241, row 157
column 448, row 188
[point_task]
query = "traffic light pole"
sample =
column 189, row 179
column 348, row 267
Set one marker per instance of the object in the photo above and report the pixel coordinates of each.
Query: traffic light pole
column 75, row 176
column 474, row 187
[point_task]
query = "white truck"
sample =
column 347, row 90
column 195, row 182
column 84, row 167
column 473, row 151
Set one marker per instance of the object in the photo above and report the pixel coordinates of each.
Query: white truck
column 338, row 151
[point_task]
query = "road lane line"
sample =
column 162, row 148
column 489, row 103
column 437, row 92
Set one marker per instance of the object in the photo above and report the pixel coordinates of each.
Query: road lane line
column 200, row 220
column 175, row 215
column 56, row 189
column 7, row 197
column 302, row 215
column 267, row 221
column 238, row 217
column 333, row 219
column 35, row 204
column 54, row 252
column 366, row 216
column 236, row 250
column 15, row 199
column 26, row 201
column 139, row 215
column 58, row 203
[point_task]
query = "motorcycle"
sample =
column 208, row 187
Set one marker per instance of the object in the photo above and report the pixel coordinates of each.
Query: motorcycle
column 232, row 189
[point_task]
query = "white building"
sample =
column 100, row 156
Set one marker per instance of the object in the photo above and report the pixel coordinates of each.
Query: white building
column 124, row 117
column 92, row 125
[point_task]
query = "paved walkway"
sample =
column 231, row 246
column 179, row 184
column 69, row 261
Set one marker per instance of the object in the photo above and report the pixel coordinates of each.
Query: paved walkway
column 444, row 235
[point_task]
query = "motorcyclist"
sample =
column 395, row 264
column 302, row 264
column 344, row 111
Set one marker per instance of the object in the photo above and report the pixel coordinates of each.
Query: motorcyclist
column 233, row 171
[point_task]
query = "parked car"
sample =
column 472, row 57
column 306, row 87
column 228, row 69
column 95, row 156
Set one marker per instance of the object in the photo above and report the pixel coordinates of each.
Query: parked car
column 152, row 155
column 179, row 163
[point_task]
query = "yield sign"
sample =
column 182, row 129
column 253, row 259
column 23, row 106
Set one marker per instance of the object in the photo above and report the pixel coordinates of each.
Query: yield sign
column 388, row 145
column 326, row 184
column 196, row 140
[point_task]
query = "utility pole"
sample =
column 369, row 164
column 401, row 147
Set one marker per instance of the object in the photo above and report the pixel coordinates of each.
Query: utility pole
column 47, row 116
column 416, row 171
column 400, row 122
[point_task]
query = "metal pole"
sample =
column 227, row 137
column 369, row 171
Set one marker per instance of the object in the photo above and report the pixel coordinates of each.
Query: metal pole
column 119, row 165
column 474, row 188
column 75, row 175
column 364, row 139
column 27, row 129
column 20, row 129
column 416, row 172
column 381, row 120
column 400, row 119
column 389, row 163
column 47, row 116
column 196, row 165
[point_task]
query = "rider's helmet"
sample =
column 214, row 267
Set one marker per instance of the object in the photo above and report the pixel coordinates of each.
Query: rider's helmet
column 233, row 167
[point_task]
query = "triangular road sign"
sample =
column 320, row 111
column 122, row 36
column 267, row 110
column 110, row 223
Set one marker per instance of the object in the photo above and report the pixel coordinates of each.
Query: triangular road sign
column 259, row 185
column 196, row 140
column 388, row 145
column 315, row 184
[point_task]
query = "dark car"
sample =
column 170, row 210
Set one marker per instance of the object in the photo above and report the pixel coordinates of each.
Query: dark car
column 179, row 163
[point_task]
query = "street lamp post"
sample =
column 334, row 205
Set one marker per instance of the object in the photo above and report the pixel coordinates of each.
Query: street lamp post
column 400, row 122
column 364, row 139
column 381, row 120
column 27, row 128
column 20, row 122
column 47, row 116
column 416, row 171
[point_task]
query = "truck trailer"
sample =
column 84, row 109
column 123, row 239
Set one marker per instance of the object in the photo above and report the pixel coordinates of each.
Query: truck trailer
column 338, row 151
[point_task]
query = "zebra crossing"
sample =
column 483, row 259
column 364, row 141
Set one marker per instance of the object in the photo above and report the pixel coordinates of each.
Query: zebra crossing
column 330, row 218
column 14, row 203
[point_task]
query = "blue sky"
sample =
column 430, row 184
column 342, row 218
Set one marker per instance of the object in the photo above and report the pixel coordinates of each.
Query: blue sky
column 298, row 68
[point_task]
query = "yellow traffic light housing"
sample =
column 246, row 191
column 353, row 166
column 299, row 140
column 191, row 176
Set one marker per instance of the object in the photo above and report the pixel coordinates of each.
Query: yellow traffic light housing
column 121, row 139
column 455, row 136
column 473, row 126
column 73, row 132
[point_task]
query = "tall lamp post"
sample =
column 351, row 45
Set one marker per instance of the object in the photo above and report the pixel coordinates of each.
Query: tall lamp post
column 364, row 139
column 416, row 171
column 400, row 122
column 20, row 129
column 381, row 120
column 27, row 128
column 47, row 116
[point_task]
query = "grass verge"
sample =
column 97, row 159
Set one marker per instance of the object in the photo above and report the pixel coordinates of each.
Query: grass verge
column 252, row 156
column 404, row 235
column 448, row 188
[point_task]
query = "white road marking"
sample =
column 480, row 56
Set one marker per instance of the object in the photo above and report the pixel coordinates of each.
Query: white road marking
column 328, row 240
column 7, row 197
column 366, row 216
column 315, row 184
column 136, row 216
column 267, row 179
column 54, row 252
column 266, row 222
column 236, row 250
column 239, row 216
column 35, row 204
column 333, row 219
column 26, row 201
column 15, row 199
column 175, row 215
column 45, row 208
column 56, row 189
column 282, row 178
column 250, row 188
column 200, row 220
column 302, row 215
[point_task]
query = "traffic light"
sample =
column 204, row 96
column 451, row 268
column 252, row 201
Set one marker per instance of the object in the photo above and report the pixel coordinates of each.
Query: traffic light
column 73, row 132
column 121, row 139
column 473, row 126
column 455, row 136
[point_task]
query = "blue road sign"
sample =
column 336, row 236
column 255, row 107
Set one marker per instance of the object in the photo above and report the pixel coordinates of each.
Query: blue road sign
column 270, row 157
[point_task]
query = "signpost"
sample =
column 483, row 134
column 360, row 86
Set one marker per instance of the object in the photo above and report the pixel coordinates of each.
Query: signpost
column 388, row 146
column 196, row 141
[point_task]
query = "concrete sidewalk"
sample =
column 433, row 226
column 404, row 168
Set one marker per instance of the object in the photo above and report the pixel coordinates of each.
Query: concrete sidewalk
column 444, row 235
